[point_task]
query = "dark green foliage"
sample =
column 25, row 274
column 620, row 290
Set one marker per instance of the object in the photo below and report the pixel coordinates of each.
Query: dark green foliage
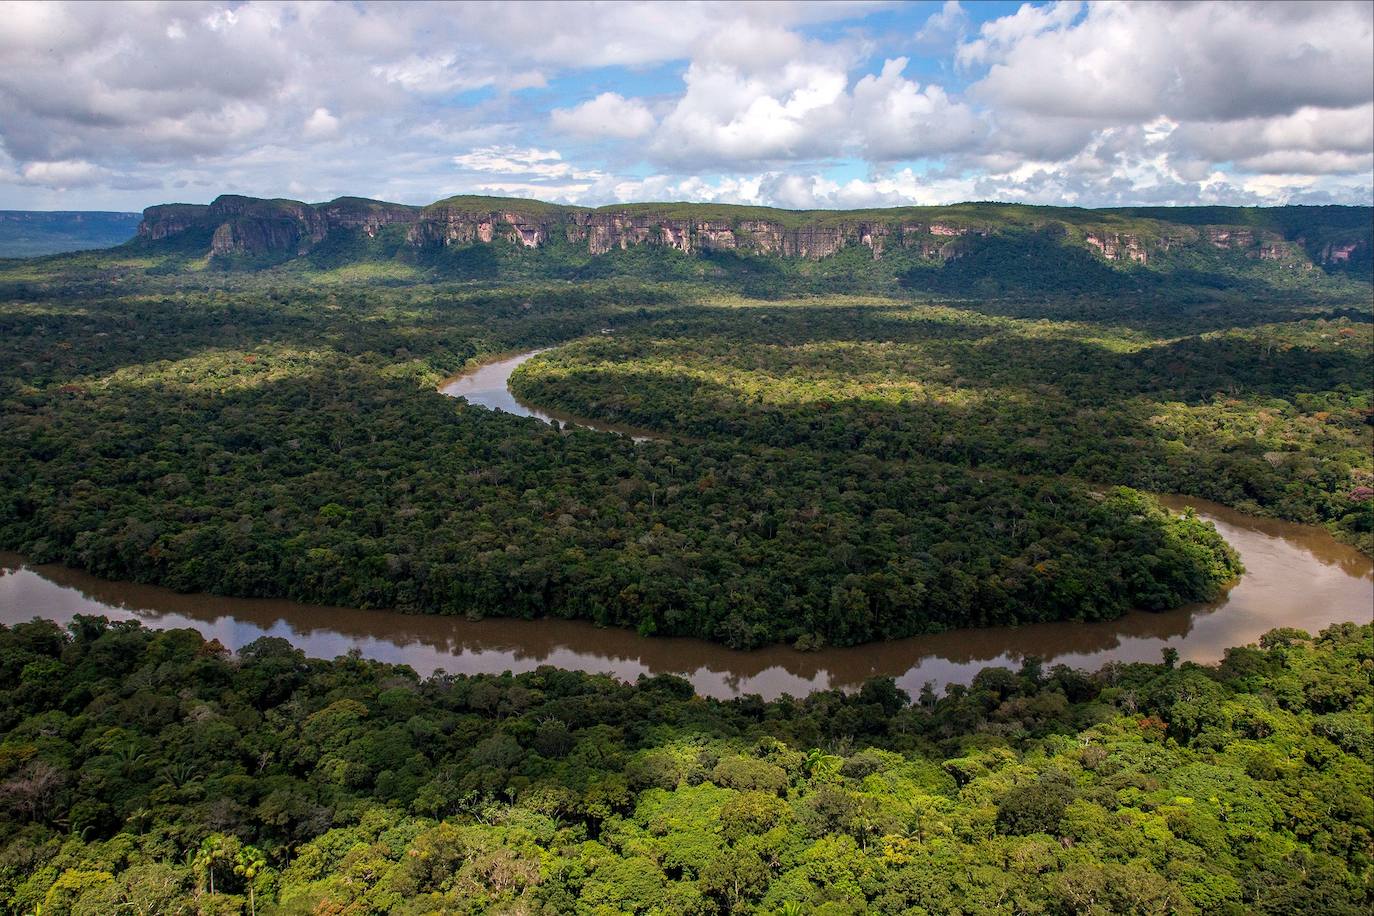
column 1266, row 409
column 341, row 248
column 1037, row 808
column 830, row 470
column 146, row 768
column 1026, row 263
column 289, row 443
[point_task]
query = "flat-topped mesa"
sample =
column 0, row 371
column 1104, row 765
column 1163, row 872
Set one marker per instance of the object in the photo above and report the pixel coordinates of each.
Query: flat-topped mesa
column 252, row 226
column 366, row 216
column 463, row 221
column 167, row 220
column 234, row 225
column 606, row 229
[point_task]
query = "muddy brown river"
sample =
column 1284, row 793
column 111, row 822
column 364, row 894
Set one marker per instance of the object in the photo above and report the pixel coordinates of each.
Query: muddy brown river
column 1297, row 576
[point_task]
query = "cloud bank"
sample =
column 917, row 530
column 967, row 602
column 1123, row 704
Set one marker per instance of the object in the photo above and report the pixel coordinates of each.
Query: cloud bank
column 116, row 106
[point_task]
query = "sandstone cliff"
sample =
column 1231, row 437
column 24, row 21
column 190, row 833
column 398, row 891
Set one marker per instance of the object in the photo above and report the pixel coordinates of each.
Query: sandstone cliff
column 249, row 227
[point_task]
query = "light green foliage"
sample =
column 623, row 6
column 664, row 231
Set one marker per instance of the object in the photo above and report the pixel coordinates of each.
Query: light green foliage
column 843, row 458
column 1241, row 788
column 278, row 441
column 1270, row 418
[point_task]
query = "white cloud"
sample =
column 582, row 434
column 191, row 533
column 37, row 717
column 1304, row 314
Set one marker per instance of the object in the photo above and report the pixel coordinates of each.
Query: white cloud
column 71, row 173
column 443, row 73
column 321, row 124
column 902, row 188
column 730, row 115
column 944, row 26
column 900, row 120
column 428, row 74
column 608, row 115
column 1309, row 130
column 1068, row 102
column 592, row 34
column 998, row 36
column 1203, row 61
column 528, row 163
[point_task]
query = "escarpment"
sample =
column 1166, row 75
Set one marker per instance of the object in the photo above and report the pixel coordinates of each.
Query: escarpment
column 237, row 227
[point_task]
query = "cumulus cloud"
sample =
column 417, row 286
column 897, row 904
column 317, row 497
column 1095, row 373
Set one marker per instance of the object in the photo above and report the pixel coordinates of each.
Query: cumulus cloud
column 1327, row 141
column 788, row 102
column 321, row 124
column 70, row 173
column 127, row 104
column 608, row 115
column 946, row 25
column 997, row 38
column 798, row 103
column 1203, row 61
column 900, row 120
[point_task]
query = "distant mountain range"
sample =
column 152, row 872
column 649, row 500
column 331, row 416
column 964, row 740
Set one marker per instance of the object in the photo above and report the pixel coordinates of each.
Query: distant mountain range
column 284, row 229
column 29, row 233
column 975, row 249
column 982, row 249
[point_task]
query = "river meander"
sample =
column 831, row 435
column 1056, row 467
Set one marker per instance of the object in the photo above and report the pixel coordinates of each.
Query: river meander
column 488, row 385
column 1296, row 576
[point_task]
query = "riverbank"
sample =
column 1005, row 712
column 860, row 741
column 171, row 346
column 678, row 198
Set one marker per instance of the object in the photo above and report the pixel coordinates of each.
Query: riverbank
column 1297, row 576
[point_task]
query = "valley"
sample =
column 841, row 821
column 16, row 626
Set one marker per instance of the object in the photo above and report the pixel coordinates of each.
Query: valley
column 837, row 552
column 686, row 459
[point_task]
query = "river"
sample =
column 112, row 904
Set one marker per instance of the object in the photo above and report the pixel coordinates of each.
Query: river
column 1297, row 576
column 489, row 386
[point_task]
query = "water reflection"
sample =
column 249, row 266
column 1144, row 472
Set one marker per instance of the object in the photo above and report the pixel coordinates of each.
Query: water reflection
column 489, row 386
column 1296, row 576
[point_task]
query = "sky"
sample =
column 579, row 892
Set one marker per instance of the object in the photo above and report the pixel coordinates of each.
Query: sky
column 118, row 106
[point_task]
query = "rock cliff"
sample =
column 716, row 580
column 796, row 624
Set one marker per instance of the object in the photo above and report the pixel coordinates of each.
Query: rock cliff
column 249, row 227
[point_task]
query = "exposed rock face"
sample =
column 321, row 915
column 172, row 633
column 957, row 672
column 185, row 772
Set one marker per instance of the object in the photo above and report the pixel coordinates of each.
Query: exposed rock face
column 1118, row 247
column 367, row 216
column 603, row 231
column 1337, row 254
column 439, row 224
column 167, row 220
column 255, row 237
column 1229, row 237
column 248, row 226
column 1265, row 246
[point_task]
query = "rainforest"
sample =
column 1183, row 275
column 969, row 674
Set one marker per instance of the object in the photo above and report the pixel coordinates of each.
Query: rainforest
column 149, row 772
column 850, row 427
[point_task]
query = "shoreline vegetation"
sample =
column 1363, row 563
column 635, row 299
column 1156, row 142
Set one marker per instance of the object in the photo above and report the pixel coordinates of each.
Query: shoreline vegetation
column 877, row 424
column 152, row 771
column 848, row 466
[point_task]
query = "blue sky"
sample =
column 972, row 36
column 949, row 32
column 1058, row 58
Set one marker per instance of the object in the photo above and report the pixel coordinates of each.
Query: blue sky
column 793, row 104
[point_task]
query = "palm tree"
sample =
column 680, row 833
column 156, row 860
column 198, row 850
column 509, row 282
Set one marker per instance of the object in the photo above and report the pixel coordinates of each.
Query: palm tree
column 215, row 849
column 248, row 863
column 821, row 765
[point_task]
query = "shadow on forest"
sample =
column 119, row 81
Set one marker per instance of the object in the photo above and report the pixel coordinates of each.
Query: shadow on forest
column 995, row 357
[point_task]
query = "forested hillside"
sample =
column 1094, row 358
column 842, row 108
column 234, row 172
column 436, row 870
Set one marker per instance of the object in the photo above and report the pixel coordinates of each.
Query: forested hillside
column 148, row 772
column 982, row 249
